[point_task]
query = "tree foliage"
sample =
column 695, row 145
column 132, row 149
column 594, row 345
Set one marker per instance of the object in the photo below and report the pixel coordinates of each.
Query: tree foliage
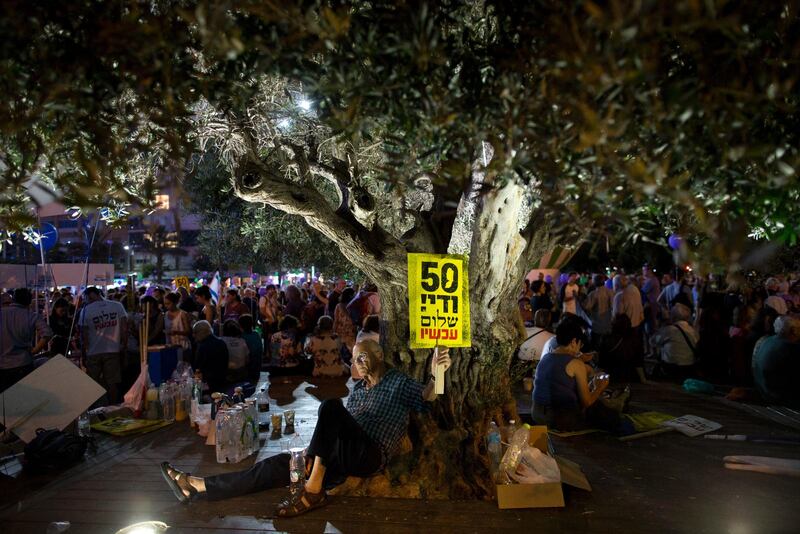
column 491, row 128
column 681, row 114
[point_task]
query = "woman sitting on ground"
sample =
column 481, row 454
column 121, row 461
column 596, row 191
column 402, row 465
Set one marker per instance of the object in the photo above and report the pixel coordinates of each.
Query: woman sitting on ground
column 286, row 344
column 563, row 397
column 676, row 344
column 324, row 347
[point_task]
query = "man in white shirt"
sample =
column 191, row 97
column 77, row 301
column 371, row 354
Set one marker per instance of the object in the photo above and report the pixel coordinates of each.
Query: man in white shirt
column 569, row 296
column 627, row 300
column 103, row 325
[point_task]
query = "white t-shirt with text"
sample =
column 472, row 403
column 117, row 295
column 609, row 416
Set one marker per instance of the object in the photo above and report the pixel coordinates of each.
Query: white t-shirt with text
column 102, row 322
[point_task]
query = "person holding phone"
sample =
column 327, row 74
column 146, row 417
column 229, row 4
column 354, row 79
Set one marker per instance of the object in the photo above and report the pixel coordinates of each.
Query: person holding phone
column 563, row 398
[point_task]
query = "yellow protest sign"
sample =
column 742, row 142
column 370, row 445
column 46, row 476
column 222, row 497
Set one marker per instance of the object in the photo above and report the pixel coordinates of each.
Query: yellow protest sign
column 182, row 281
column 438, row 298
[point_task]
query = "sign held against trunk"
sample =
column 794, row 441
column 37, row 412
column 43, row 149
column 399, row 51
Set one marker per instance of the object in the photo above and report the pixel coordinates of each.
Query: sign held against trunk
column 438, row 299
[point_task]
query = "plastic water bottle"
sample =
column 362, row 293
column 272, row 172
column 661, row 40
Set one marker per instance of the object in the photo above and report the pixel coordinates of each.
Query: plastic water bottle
column 223, row 436
column 251, row 422
column 197, row 390
column 297, row 465
column 183, row 392
column 512, row 456
column 167, row 398
column 84, row 428
column 494, row 447
column 262, row 400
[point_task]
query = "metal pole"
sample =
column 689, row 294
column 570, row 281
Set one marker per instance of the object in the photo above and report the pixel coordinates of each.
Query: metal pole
column 44, row 276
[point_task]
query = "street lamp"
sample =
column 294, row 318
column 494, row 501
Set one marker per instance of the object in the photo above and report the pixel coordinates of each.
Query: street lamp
column 128, row 257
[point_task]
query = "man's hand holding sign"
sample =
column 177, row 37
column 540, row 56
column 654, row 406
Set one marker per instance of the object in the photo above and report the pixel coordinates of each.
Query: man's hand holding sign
column 439, row 364
column 438, row 295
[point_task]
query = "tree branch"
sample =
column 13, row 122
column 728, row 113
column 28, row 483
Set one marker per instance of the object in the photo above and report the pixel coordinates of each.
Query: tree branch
column 372, row 250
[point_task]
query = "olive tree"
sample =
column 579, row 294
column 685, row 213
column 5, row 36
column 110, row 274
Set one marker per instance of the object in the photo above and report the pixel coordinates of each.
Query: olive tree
column 491, row 129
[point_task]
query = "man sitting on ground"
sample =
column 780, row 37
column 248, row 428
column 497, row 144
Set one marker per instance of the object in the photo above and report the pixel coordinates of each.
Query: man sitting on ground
column 353, row 441
column 211, row 358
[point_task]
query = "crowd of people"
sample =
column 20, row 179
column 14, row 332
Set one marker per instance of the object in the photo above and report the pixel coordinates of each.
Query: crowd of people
column 581, row 330
column 308, row 329
column 677, row 326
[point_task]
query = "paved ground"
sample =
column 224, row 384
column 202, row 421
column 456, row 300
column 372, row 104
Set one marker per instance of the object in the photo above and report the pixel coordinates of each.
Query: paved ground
column 666, row 483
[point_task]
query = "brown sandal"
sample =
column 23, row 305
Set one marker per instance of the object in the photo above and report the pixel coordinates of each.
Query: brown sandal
column 178, row 482
column 301, row 503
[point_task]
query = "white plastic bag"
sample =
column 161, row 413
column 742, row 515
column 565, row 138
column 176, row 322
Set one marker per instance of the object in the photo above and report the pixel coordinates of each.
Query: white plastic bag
column 536, row 467
column 134, row 398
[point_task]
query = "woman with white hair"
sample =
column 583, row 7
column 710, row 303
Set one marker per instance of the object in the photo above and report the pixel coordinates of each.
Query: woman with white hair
column 676, row 343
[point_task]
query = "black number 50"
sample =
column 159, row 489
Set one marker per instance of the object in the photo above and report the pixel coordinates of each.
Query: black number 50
column 430, row 280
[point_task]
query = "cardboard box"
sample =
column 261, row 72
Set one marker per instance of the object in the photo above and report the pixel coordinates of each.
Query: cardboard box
column 548, row 495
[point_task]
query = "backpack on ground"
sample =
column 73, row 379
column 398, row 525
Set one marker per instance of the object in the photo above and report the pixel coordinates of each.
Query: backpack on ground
column 53, row 449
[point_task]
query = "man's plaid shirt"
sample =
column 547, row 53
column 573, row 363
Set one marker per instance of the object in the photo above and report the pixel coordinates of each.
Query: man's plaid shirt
column 382, row 411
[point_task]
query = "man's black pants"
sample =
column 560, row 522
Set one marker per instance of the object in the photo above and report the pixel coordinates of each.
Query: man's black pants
column 598, row 415
column 341, row 443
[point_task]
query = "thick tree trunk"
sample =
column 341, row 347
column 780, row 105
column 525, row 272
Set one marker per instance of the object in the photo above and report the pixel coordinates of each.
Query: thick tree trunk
column 446, row 454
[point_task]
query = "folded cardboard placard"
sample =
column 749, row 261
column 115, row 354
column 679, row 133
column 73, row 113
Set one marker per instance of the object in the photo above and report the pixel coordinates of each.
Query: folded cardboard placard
column 549, row 494
column 52, row 396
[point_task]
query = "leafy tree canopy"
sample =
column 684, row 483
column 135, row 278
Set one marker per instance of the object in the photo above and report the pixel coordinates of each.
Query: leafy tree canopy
column 652, row 117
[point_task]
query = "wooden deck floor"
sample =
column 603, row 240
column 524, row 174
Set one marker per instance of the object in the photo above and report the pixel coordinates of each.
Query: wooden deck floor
column 659, row 484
